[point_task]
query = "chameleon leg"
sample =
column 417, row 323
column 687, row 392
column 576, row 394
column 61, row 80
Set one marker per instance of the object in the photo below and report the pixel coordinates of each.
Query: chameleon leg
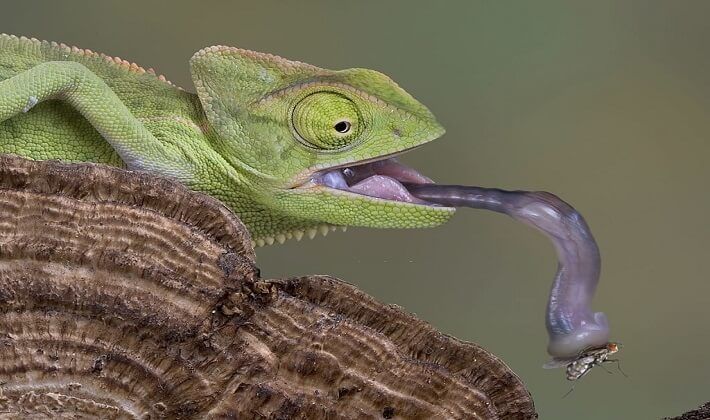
column 571, row 324
column 94, row 99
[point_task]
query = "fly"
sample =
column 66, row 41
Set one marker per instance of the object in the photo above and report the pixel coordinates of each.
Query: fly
column 587, row 359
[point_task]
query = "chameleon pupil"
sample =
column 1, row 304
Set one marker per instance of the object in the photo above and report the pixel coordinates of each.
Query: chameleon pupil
column 342, row 127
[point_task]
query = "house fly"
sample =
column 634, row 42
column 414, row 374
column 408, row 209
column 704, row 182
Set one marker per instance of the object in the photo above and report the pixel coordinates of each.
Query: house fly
column 581, row 364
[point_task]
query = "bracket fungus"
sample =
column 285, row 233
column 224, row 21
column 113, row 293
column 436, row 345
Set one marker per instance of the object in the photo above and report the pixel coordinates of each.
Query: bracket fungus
column 125, row 295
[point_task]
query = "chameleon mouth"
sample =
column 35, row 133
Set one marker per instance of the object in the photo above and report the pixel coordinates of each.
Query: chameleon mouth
column 381, row 179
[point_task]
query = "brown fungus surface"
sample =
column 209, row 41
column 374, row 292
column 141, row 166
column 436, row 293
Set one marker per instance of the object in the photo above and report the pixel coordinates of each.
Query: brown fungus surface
column 123, row 295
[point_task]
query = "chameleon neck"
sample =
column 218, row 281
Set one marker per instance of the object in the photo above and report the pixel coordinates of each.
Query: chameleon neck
column 245, row 191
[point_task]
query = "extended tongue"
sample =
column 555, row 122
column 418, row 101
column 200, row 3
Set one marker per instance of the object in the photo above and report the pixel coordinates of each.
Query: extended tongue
column 571, row 323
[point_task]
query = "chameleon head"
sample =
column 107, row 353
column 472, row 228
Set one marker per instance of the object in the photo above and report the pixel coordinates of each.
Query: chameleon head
column 317, row 144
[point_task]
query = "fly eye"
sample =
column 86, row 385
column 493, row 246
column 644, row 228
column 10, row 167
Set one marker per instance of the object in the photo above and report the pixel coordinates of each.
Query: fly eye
column 342, row 127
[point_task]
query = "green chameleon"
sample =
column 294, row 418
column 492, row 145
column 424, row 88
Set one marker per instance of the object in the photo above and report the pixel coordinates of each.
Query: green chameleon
column 267, row 136
column 293, row 149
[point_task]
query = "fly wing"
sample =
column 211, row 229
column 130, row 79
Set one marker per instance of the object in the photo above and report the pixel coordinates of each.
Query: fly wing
column 557, row 363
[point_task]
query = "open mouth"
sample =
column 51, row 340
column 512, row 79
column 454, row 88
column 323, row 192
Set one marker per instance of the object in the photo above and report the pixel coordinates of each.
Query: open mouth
column 381, row 179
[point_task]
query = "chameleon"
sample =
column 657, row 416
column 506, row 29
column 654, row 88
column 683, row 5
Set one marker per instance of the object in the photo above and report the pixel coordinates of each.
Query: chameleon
column 293, row 149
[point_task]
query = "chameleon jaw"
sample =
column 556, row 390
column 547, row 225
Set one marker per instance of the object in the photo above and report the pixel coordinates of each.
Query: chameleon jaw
column 378, row 180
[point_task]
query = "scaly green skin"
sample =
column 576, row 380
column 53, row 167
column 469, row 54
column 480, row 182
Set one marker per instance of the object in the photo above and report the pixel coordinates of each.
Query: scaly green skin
column 258, row 127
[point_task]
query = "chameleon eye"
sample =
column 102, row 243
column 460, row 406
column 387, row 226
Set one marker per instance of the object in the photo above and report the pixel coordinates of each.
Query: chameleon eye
column 326, row 120
column 342, row 127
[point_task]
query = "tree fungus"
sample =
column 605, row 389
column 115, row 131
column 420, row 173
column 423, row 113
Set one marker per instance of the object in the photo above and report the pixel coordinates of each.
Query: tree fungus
column 124, row 295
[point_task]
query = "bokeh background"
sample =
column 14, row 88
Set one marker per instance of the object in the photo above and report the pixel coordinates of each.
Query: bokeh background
column 604, row 103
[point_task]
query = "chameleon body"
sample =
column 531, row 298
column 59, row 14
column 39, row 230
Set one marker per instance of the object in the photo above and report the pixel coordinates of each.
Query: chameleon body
column 259, row 134
column 293, row 149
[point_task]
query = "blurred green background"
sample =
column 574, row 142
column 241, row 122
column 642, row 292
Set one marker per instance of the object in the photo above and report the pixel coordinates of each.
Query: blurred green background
column 604, row 103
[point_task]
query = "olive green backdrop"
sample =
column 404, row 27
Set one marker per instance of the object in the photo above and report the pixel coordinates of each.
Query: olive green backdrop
column 604, row 103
